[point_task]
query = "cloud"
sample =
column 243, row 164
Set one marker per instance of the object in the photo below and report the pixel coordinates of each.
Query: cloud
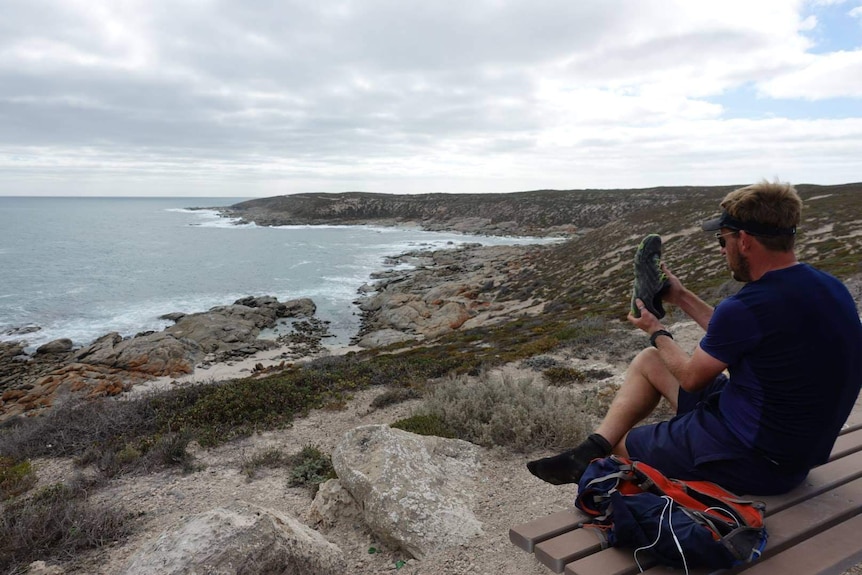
column 207, row 96
column 834, row 75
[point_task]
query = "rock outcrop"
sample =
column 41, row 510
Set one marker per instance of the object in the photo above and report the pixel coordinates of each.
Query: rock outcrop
column 333, row 505
column 445, row 291
column 414, row 491
column 113, row 364
column 242, row 538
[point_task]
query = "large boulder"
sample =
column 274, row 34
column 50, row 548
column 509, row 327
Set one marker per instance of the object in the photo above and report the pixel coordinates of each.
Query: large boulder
column 62, row 345
column 239, row 539
column 228, row 328
column 415, row 492
column 154, row 354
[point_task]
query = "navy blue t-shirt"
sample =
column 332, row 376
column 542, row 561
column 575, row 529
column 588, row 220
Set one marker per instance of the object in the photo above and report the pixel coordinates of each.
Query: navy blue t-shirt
column 793, row 344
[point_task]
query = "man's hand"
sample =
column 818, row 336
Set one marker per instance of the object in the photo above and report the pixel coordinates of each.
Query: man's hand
column 674, row 293
column 647, row 321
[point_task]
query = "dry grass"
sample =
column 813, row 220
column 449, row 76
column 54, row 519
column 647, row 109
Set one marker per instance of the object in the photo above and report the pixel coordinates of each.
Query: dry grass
column 57, row 523
column 500, row 411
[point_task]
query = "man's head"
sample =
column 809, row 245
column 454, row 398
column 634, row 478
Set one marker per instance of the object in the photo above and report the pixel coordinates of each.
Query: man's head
column 768, row 211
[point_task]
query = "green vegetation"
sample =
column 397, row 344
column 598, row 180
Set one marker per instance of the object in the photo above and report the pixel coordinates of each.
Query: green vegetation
column 425, row 424
column 16, row 477
column 309, row 468
column 394, row 396
column 563, row 375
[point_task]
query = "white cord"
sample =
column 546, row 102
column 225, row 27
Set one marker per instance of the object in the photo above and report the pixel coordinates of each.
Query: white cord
column 668, row 508
column 725, row 512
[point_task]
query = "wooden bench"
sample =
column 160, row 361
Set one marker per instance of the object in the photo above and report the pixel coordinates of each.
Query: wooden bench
column 814, row 529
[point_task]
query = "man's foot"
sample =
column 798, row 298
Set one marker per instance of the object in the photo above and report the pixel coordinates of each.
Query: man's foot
column 567, row 467
column 650, row 281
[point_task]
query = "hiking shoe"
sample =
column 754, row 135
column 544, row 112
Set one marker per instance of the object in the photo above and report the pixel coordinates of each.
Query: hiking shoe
column 650, row 281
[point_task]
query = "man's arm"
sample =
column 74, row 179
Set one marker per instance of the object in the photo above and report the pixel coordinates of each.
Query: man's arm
column 687, row 301
column 693, row 373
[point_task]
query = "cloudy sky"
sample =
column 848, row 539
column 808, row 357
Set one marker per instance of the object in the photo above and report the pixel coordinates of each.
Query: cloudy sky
column 251, row 98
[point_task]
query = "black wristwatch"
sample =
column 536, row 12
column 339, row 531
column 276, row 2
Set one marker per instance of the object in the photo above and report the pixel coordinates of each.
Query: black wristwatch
column 657, row 333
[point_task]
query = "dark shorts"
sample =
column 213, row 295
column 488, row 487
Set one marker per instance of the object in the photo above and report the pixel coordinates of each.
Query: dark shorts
column 697, row 445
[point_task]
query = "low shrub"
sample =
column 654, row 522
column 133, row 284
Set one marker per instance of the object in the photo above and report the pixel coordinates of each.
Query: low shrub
column 272, row 457
column 57, row 522
column 394, row 396
column 309, row 468
column 425, row 424
column 597, row 374
column 147, row 453
column 540, row 362
column 170, row 450
column 520, row 415
column 16, row 477
column 75, row 426
column 561, row 375
column 597, row 400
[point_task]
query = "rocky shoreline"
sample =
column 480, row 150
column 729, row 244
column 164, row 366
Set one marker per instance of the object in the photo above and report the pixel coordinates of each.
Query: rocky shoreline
column 442, row 291
column 422, row 295
column 31, row 383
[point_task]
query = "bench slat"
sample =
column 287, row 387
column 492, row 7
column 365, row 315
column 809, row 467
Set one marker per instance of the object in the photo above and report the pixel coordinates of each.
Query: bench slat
column 555, row 553
column 610, row 561
column 853, row 422
column 790, row 526
column 821, row 479
column 832, row 551
column 846, row 444
column 527, row 535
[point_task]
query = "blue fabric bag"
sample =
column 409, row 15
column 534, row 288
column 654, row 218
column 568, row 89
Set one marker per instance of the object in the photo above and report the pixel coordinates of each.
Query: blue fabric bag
column 684, row 524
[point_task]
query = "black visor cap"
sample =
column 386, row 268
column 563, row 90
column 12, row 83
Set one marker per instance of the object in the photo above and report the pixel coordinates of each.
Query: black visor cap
column 725, row 220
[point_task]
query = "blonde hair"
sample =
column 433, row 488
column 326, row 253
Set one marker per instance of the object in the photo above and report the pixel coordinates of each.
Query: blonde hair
column 774, row 204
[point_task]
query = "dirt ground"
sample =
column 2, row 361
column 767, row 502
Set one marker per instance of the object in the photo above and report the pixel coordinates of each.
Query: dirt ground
column 506, row 494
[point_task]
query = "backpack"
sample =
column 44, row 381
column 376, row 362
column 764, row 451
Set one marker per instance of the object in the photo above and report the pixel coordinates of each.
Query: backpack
column 683, row 524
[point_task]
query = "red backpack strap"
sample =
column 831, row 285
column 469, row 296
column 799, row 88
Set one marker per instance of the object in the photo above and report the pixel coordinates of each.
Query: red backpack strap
column 702, row 496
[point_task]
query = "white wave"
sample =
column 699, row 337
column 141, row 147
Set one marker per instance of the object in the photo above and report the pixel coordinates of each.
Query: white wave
column 299, row 264
column 231, row 223
column 211, row 218
column 188, row 211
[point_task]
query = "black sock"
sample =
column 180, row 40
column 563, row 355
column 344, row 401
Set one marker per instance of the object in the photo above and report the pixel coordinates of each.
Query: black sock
column 567, row 467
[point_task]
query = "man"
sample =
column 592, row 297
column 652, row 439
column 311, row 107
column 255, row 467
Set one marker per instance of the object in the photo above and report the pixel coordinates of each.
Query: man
column 791, row 340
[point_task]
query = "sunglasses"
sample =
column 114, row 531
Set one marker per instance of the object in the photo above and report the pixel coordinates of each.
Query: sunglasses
column 720, row 237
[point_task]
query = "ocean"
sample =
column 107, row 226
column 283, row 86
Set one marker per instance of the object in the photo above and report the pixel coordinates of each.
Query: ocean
column 82, row 267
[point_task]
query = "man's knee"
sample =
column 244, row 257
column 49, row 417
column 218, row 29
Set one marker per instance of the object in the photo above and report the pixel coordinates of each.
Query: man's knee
column 649, row 364
column 647, row 359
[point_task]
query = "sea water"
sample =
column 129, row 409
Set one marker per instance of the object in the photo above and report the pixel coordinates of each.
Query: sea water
column 82, row 267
